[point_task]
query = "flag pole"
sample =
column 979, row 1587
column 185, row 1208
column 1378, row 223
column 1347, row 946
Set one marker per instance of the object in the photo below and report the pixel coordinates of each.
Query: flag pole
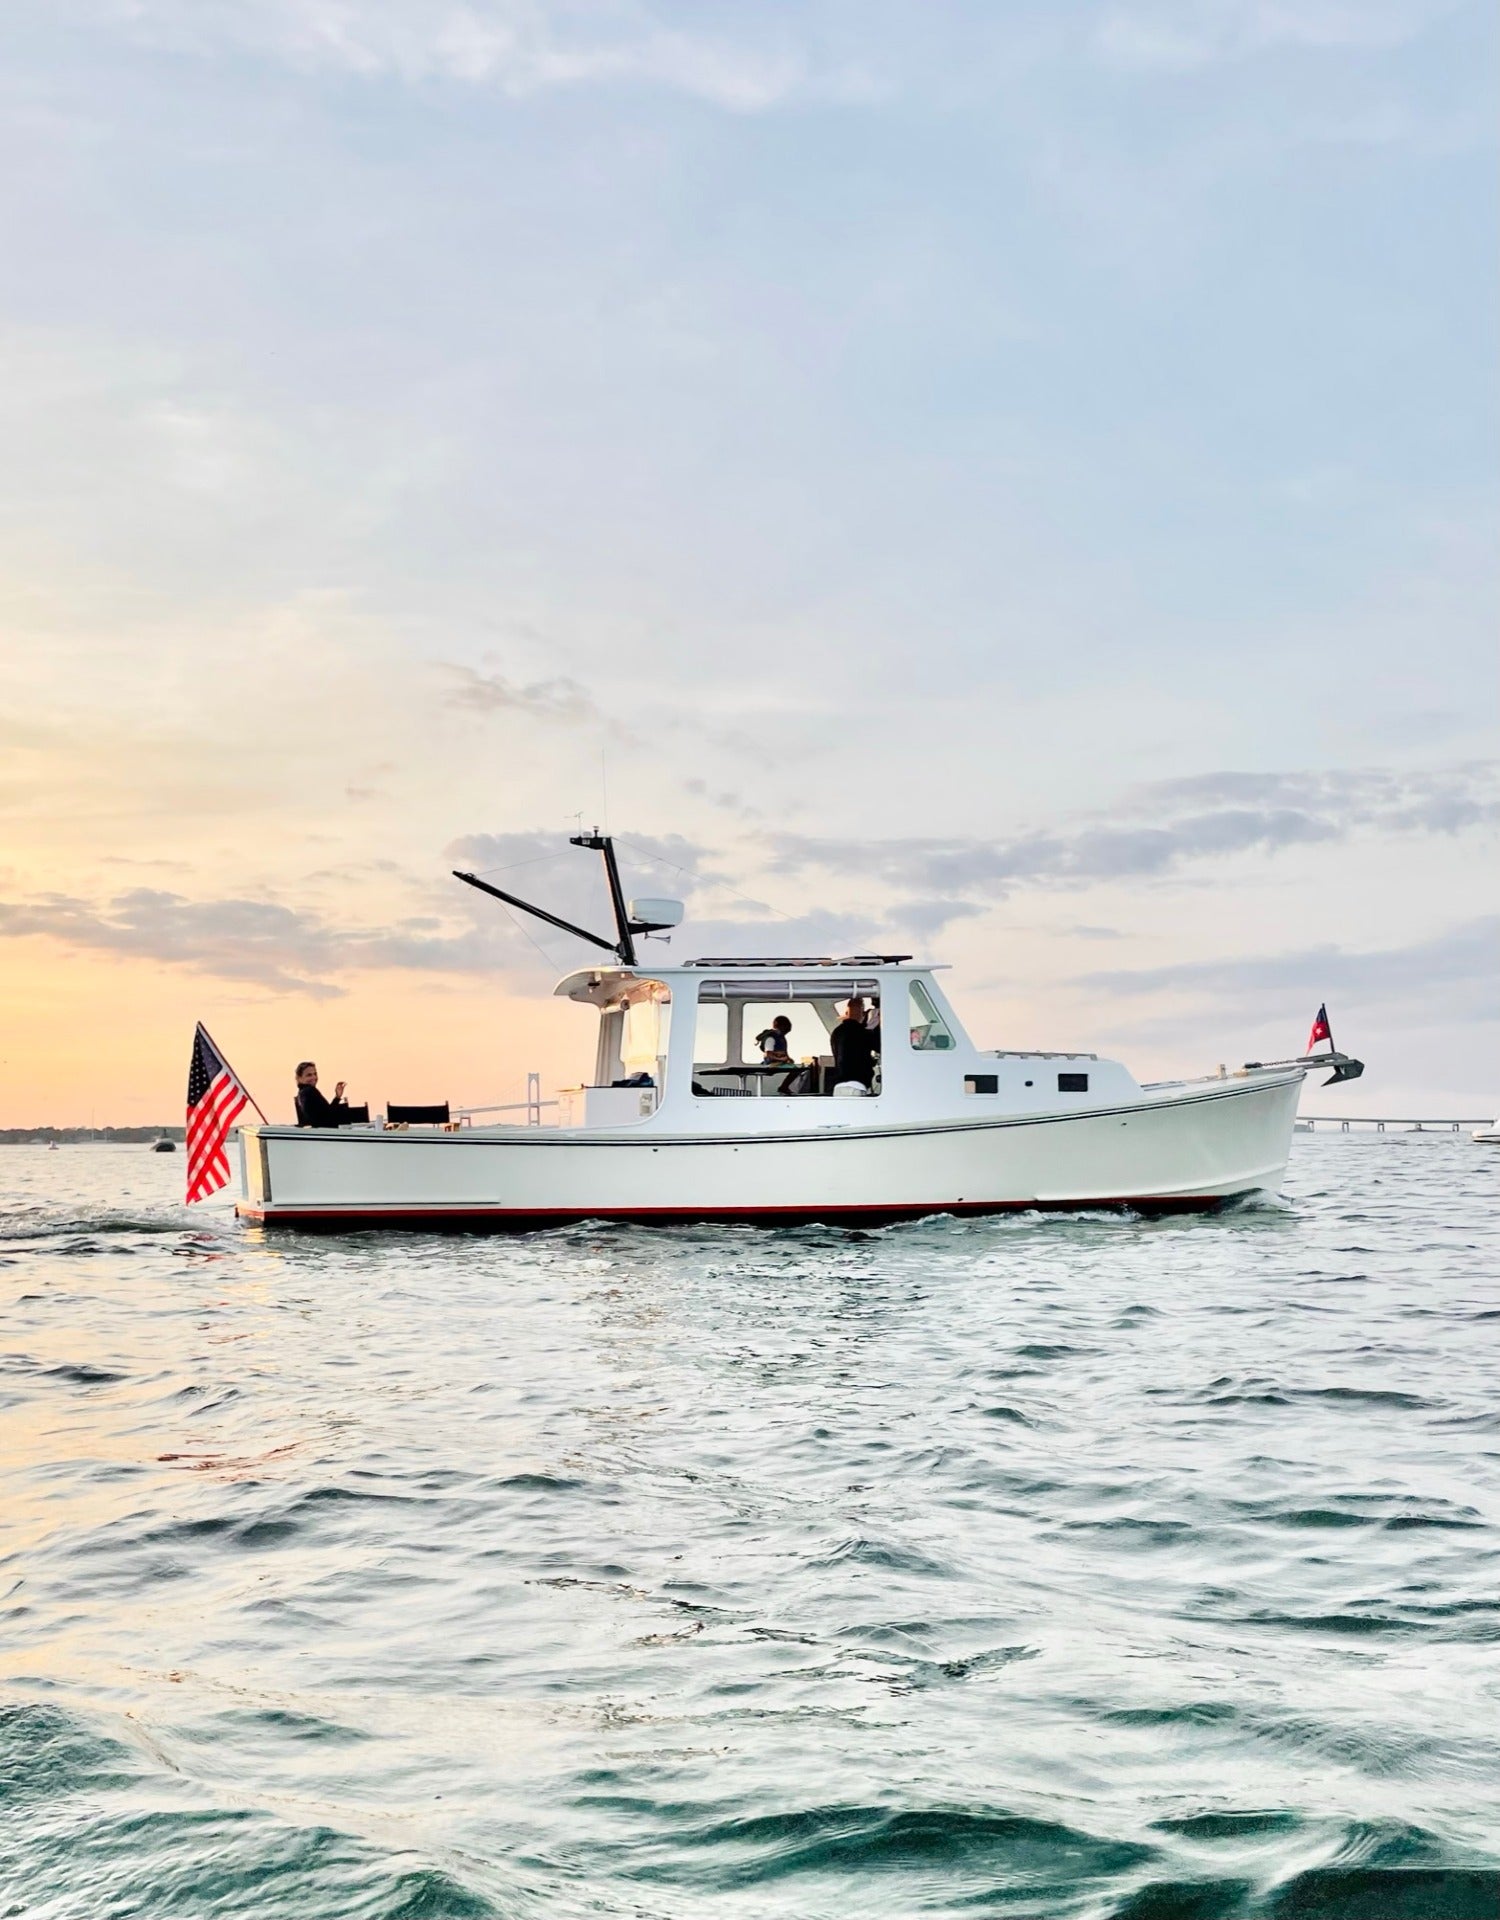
column 225, row 1058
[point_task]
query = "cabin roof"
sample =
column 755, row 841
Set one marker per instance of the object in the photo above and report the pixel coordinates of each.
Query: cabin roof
column 815, row 960
column 600, row 985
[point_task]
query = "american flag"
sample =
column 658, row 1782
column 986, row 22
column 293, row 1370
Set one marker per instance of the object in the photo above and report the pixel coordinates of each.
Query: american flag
column 215, row 1100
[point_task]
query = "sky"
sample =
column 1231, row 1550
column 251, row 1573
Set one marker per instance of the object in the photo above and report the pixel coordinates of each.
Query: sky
column 1015, row 481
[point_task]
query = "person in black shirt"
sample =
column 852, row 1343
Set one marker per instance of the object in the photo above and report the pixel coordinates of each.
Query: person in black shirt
column 312, row 1109
column 853, row 1048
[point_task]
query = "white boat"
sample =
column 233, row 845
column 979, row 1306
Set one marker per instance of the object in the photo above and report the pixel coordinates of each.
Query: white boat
column 1488, row 1136
column 684, row 1121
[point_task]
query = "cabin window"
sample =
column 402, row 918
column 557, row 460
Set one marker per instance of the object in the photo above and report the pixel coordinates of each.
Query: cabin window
column 728, row 1060
column 1072, row 1083
column 929, row 1031
column 643, row 1039
column 711, row 1042
column 981, row 1083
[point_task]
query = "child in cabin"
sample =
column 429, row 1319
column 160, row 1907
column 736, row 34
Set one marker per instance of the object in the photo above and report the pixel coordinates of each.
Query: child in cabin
column 772, row 1042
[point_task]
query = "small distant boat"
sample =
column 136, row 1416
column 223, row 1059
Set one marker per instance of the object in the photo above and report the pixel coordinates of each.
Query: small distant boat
column 164, row 1146
column 52, row 1146
column 1488, row 1136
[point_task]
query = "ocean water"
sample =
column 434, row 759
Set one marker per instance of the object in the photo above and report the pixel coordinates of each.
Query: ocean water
column 1036, row 1567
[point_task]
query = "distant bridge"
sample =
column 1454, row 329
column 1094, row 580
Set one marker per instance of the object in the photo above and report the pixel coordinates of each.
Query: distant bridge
column 1311, row 1121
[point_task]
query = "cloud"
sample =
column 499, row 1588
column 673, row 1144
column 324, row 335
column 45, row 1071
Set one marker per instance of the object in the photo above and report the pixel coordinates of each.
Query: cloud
column 1457, row 972
column 1207, row 816
column 557, row 699
column 1080, row 858
column 927, row 918
column 280, row 948
column 520, row 47
column 1443, row 800
column 913, row 887
column 307, row 951
column 820, row 932
column 255, row 940
column 1183, row 36
column 729, row 802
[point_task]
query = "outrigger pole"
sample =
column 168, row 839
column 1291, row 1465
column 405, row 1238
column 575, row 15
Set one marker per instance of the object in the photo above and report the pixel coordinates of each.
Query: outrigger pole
column 623, row 945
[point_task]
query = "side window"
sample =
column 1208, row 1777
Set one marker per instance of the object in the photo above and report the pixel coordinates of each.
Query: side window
column 647, row 1024
column 711, row 1041
column 929, row 1034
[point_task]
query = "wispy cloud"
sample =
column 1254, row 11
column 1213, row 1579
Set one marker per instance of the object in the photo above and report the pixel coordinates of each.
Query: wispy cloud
column 1461, row 965
column 254, row 940
column 263, row 942
column 729, row 802
column 1440, row 800
column 522, row 46
column 559, row 699
column 1160, row 828
column 297, row 950
column 1184, row 35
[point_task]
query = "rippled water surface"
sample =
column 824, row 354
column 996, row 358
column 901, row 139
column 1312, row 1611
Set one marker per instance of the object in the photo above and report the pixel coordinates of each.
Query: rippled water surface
column 1044, row 1566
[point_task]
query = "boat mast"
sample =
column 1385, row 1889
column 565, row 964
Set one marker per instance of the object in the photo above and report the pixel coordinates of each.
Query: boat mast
column 598, row 842
column 623, row 945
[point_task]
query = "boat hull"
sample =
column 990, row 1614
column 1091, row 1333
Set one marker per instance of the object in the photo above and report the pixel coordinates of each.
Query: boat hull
column 1192, row 1151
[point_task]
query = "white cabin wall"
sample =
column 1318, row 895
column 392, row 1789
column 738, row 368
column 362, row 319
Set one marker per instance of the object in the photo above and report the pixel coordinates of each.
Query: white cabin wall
column 607, row 1065
column 677, row 1080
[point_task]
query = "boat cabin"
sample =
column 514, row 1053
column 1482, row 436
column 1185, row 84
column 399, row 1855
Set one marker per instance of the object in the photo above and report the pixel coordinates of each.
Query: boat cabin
column 731, row 1045
column 750, row 1043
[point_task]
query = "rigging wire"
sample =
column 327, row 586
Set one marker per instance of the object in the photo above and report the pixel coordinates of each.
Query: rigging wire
column 523, row 930
column 534, row 860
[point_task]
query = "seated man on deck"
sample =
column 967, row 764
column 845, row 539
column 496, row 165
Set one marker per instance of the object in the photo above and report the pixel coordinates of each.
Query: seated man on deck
column 313, row 1110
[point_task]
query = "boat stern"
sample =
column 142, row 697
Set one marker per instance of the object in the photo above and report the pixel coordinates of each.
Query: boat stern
column 255, row 1181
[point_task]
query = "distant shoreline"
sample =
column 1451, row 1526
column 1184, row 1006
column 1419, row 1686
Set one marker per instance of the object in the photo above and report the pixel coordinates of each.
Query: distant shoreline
column 86, row 1136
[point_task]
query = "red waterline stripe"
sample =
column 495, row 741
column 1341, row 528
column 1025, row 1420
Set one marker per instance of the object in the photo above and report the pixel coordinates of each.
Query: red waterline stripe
column 274, row 1215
